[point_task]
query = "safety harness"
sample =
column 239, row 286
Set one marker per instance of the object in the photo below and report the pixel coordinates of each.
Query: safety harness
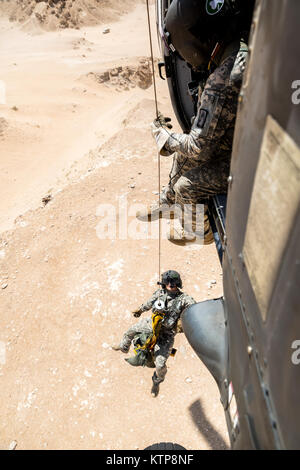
column 157, row 318
column 145, row 343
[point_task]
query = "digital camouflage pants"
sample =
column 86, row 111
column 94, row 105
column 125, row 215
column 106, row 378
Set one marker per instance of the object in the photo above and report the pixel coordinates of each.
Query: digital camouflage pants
column 191, row 183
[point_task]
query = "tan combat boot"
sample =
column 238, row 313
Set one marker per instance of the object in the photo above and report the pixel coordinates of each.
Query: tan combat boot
column 156, row 211
column 179, row 236
column 117, row 347
column 208, row 234
column 155, row 390
column 155, row 386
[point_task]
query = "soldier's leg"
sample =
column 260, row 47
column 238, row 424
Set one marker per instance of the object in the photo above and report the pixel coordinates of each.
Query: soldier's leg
column 199, row 183
column 192, row 190
column 162, row 351
column 143, row 326
column 167, row 207
column 181, row 164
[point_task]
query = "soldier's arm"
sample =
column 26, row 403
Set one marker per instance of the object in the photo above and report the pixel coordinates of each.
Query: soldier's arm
column 148, row 305
column 188, row 300
column 216, row 114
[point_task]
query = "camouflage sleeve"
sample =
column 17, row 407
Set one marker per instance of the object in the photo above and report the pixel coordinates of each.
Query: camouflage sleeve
column 216, row 112
column 148, row 305
column 187, row 301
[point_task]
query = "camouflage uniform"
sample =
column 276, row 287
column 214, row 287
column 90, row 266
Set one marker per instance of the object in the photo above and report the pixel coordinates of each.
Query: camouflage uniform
column 175, row 304
column 202, row 157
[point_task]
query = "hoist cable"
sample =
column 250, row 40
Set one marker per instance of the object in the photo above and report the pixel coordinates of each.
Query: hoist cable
column 158, row 155
column 152, row 58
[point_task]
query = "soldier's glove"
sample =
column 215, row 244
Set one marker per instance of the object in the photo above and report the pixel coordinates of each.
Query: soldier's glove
column 137, row 313
column 162, row 121
column 161, row 134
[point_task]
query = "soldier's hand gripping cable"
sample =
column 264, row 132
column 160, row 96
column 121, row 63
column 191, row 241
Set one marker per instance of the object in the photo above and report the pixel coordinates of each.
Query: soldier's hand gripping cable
column 211, row 36
column 153, row 337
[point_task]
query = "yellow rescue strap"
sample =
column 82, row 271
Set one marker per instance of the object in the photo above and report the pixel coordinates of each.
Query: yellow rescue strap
column 156, row 325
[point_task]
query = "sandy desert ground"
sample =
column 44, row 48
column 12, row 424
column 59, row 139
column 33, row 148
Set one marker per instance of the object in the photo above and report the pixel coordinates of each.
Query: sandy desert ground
column 76, row 102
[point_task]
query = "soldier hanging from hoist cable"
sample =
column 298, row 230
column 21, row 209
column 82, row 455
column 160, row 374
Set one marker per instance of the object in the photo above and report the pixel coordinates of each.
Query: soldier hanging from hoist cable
column 153, row 337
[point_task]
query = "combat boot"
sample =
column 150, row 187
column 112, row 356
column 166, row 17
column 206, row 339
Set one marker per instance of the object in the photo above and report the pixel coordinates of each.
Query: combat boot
column 156, row 211
column 179, row 236
column 117, row 347
column 155, row 385
column 208, row 234
column 155, row 390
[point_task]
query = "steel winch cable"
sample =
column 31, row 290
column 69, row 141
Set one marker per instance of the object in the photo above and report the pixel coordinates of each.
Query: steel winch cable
column 158, row 154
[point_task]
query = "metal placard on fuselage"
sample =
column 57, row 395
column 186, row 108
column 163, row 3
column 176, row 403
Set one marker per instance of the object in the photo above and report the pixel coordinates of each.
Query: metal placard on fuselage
column 273, row 208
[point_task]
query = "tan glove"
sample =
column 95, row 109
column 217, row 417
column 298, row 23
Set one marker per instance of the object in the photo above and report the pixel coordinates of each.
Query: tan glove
column 160, row 133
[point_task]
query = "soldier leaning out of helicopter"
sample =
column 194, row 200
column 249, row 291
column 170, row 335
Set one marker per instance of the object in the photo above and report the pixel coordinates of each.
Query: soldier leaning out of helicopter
column 211, row 37
column 153, row 338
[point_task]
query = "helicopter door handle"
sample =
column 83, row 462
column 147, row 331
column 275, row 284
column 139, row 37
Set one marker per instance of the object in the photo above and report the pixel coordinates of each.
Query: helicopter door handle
column 160, row 66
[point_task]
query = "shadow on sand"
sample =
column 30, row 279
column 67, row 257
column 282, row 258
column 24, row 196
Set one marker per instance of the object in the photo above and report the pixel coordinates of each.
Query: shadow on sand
column 203, row 425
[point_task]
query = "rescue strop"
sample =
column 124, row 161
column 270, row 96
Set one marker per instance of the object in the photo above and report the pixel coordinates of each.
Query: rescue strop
column 144, row 343
column 157, row 318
